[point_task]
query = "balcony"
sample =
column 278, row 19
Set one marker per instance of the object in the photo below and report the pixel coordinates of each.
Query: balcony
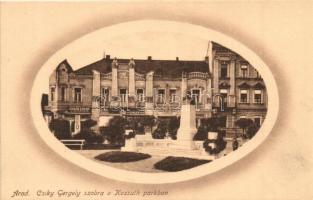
column 197, row 75
column 107, row 76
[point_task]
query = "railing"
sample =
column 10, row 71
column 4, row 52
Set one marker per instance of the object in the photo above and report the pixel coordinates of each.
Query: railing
column 106, row 76
column 139, row 77
column 198, row 75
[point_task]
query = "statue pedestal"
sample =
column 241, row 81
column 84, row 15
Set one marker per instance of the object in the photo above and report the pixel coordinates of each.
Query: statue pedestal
column 187, row 128
column 184, row 146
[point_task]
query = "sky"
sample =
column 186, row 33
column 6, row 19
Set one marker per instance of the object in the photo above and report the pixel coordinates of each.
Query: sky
column 159, row 45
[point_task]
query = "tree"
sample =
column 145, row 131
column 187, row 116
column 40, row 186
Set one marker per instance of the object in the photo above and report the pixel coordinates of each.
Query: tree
column 215, row 123
column 115, row 130
column 60, row 128
column 172, row 126
column 166, row 126
column 90, row 137
column 202, row 133
column 148, row 121
column 86, row 125
column 107, row 133
column 220, row 144
column 244, row 123
column 252, row 130
column 135, row 123
column 161, row 130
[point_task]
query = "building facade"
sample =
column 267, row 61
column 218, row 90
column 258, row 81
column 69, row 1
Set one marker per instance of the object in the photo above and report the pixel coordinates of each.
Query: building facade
column 223, row 84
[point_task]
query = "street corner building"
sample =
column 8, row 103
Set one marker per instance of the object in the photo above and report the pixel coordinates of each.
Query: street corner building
column 223, row 85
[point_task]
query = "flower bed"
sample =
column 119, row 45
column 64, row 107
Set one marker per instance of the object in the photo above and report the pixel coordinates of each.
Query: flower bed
column 173, row 164
column 120, row 156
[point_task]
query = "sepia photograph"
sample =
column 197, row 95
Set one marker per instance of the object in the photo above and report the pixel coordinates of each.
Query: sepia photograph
column 154, row 115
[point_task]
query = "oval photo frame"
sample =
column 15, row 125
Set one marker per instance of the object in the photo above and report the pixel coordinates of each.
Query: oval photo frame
column 154, row 26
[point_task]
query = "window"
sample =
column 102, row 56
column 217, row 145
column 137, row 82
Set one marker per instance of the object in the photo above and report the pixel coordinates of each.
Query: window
column 195, row 95
column 161, row 96
column 257, row 96
column 243, row 96
column 63, row 93
column 105, row 95
column 123, row 95
column 224, row 70
column 77, row 94
column 244, row 71
column 140, row 95
column 52, row 93
column 173, row 95
column 223, row 93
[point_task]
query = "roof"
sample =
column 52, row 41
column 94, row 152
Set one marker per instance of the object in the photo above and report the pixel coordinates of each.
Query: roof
column 224, row 85
column 165, row 68
column 66, row 64
column 244, row 85
column 258, row 86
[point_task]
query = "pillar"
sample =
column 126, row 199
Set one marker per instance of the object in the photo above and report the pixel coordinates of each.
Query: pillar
column 114, row 78
column 149, row 93
column 95, row 109
column 215, row 76
column 131, row 78
column 232, row 75
column 208, row 94
column 149, row 85
column 184, row 86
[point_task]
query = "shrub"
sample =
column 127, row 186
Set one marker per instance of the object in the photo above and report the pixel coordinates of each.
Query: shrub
column 115, row 130
column 120, row 156
column 89, row 137
column 235, row 145
column 215, row 123
column 135, row 123
column 244, row 123
column 130, row 135
column 161, row 130
column 148, row 121
column 202, row 133
column 166, row 126
column 173, row 164
column 60, row 128
column 252, row 130
column 210, row 124
column 86, row 125
column 172, row 126
column 220, row 144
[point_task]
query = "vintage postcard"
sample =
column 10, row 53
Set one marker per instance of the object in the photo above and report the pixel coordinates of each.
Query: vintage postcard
column 167, row 100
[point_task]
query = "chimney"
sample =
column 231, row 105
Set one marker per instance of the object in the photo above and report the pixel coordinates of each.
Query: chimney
column 107, row 57
column 149, row 58
column 177, row 58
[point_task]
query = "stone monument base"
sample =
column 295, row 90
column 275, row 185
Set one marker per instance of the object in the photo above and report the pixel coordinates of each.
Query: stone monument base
column 184, row 146
column 167, row 147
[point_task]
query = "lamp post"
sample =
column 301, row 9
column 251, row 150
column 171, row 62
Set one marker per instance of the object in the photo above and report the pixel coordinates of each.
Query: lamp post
column 235, row 142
